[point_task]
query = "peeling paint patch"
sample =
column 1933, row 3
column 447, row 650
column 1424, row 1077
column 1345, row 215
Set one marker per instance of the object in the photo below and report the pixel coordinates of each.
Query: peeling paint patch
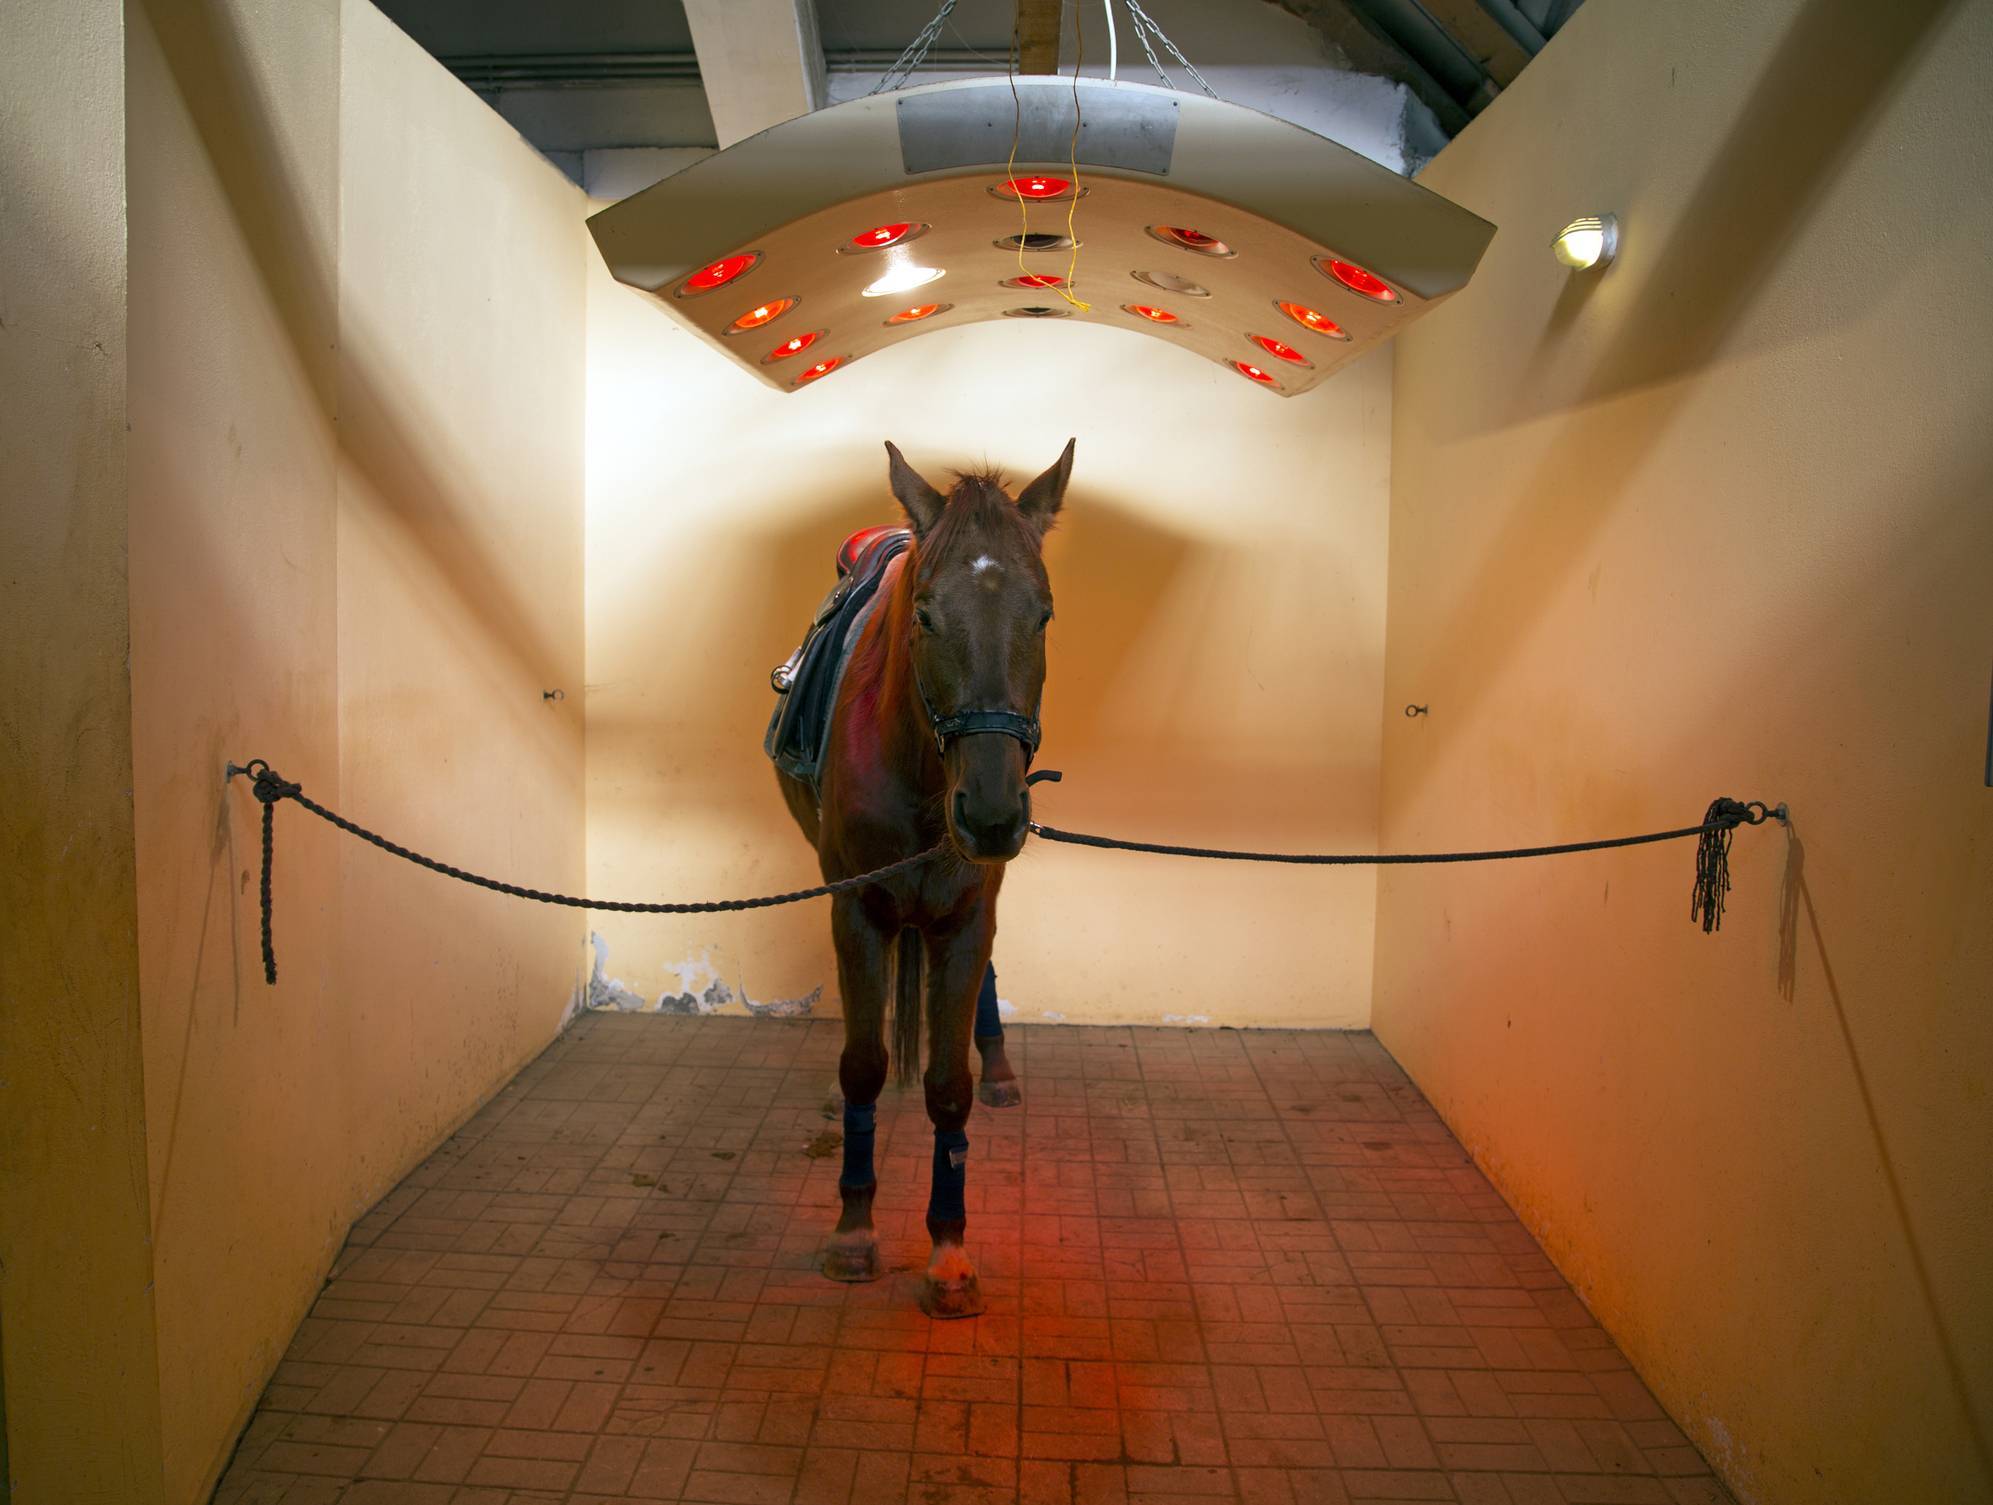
column 1006, row 1009
column 1186, row 1018
column 1052, row 1017
column 700, row 989
column 784, row 1008
column 604, row 991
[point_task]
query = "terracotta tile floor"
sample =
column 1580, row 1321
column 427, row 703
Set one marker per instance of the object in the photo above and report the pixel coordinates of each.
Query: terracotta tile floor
column 1220, row 1266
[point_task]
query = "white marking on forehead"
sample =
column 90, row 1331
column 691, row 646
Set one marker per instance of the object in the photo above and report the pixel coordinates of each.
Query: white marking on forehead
column 983, row 562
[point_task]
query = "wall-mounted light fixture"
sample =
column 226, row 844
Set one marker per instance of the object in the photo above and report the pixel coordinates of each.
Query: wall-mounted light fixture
column 1589, row 242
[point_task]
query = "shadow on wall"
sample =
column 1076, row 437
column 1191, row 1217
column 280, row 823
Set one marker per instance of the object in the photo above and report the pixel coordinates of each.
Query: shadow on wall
column 1795, row 899
column 294, row 259
column 1114, row 569
column 1836, row 69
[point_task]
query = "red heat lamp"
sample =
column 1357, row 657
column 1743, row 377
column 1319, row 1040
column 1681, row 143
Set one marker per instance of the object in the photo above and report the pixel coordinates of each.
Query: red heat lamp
column 881, row 236
column 718, row 274
column 894, row 215
column 1033, row 187
column 1279, row 351
column 794, row 346
column 766, row 313
column 1190, row 240
column 1356, row 279
column 1308, row 318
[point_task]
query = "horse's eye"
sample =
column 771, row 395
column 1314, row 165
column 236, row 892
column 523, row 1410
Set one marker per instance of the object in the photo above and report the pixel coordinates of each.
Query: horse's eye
column 923, row 618
column 1044, row 620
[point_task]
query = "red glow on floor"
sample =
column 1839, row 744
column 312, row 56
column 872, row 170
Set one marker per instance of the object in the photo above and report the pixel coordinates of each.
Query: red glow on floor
column 1219, row 1265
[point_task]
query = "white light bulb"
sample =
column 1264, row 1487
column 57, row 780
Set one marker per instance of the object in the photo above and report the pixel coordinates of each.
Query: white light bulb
column 1589, row 242
column 901, row 279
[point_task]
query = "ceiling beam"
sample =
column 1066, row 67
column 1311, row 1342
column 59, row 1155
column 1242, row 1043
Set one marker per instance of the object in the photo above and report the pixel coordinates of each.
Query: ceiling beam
column 1482, row 37
column 1369, row 50
column 762, row 62
column 1038, row 27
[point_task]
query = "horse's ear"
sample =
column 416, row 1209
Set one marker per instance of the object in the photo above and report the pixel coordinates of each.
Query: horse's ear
column 922, row 502
column 1041, row 500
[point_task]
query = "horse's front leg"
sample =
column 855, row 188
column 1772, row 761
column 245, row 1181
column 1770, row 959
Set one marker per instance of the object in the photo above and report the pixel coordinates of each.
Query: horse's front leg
column 956, row 961
column 862, row 975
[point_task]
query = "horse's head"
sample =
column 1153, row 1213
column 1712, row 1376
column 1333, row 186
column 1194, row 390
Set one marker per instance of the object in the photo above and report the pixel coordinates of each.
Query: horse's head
column 980, row 605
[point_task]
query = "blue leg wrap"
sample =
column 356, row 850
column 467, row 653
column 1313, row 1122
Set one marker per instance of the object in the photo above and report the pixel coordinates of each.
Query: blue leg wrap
column 859, row 1128
column 951, row 1170
column 988, row 1021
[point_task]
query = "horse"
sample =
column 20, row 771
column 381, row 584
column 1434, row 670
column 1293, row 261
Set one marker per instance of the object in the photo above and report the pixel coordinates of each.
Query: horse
column 931, row 735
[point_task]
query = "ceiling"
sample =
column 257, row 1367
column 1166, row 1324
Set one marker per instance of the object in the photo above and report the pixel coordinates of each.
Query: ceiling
column 624, row 73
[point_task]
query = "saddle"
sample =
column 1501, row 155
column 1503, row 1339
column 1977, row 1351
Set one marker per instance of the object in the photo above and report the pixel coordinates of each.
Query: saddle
column 806, row 683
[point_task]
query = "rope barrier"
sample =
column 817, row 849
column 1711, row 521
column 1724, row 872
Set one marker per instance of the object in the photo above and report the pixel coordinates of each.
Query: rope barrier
column 1712, row 862
column 1712, row 859
column 270, row 787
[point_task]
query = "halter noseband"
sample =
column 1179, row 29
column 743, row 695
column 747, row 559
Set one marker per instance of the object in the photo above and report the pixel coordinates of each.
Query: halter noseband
column 968, row 723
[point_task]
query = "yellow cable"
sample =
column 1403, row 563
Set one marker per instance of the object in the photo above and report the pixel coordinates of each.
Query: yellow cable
column 1016, row 130
column 1073, row 209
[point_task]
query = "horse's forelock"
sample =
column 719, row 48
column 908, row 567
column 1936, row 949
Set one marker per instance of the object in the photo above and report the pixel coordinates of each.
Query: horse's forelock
column 979, row 507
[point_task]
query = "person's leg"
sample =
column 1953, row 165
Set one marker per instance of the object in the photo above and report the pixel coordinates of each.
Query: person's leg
column 999, row 1087
column 988, row 1021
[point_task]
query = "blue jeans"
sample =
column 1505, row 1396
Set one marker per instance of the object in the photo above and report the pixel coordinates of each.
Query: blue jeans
column 988, row 1022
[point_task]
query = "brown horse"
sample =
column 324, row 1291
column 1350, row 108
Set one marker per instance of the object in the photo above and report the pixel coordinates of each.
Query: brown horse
column 933, row 730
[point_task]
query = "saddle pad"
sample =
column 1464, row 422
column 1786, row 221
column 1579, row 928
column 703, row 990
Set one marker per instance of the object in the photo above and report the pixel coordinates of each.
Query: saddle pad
column 799, row 729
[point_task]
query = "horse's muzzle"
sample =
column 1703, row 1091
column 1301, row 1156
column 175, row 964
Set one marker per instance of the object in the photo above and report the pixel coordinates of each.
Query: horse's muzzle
column 984, row 834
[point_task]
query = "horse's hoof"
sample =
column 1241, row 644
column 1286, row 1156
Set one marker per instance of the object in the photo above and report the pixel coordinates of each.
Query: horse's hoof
column 852, row 1256
column 946, row 1299
column 950, row 1289
column 999, row 1094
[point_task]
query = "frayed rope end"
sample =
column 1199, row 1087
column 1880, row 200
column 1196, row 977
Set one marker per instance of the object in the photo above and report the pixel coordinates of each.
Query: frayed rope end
column 1712, row 855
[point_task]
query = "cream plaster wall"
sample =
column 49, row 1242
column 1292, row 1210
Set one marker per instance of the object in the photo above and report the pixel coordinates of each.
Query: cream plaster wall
column 1720, row 521
column 1215, row 665
column 79, row 1395
column 356, row 325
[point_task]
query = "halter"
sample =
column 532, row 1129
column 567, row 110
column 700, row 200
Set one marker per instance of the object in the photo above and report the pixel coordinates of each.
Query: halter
column 969, row 723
